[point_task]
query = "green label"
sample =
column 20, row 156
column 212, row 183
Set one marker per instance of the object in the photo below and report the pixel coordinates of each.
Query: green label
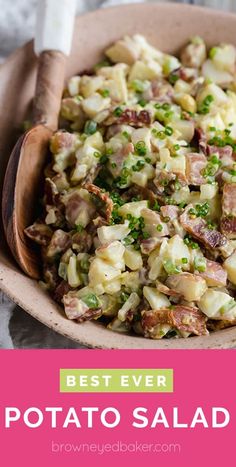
column 116, row 380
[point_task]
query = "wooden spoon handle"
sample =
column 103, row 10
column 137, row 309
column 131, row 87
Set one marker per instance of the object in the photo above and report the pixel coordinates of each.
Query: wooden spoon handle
column 49, row 88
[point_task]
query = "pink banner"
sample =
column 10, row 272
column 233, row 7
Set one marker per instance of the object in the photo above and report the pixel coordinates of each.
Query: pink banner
column 193, row 425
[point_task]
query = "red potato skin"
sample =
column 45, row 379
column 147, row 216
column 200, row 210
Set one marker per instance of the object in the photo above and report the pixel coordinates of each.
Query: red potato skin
column 195, row 164
column 197, row 227
column 215, row 273
column 180, row 317
column 228, row 220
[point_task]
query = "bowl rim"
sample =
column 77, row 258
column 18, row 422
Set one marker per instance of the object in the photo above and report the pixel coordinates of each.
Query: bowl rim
column 107, row 339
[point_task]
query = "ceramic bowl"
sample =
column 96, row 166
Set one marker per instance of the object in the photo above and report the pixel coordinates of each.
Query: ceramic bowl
column 168, row 27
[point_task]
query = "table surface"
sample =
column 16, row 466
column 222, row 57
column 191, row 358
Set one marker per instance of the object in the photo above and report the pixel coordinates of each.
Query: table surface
column 17, row 19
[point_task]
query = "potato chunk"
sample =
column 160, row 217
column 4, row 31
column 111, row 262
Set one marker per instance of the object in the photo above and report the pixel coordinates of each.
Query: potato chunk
column 110, row 233
column 190, row 286
column 101, row 271
column 125, row 50
column 113, row 253
column 155, row 299
column 218, row 305
column 230, row 267
column 94, row 104
column 133, row 258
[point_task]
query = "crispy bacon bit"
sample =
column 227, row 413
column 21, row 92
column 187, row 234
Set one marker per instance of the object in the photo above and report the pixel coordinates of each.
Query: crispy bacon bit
column 105, row 207
column 134, row 118
column 40, row 233
column 195, row 164
column 170, row 211
column 228, row 221
column 59, row 243
column 197, row 227
column 181, row 318
column 214, row 274
column 144, row 117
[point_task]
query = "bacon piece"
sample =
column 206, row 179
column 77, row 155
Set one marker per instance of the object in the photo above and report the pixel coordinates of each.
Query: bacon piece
column 197, row 227
column 195, row 164
column 144, row 117
column 39, row 233
column 228, row 220
column 170, row 211
column 181, row 318
column 214, row 274
column 105, row 207
column 134, row 118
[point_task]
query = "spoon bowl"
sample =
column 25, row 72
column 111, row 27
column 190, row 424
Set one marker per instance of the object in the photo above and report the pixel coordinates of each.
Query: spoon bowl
column 21, row 192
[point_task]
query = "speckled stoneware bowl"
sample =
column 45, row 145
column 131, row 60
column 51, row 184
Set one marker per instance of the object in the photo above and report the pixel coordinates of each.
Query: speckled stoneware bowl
column 167, row 26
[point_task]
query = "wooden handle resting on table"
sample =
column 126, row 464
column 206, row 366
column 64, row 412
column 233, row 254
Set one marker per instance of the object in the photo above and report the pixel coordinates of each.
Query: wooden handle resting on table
column 49, row 88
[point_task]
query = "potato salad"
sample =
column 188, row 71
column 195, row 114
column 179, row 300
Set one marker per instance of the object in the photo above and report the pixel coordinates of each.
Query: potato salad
column 137, row 228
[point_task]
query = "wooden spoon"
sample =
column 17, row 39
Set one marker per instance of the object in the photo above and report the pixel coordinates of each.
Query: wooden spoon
column 24, row 172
